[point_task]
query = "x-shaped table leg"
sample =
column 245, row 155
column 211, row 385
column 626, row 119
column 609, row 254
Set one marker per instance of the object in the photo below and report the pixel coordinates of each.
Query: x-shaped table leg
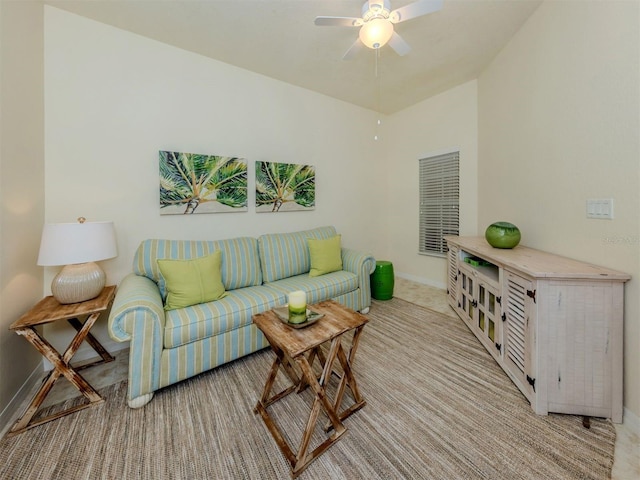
column 106, row 357
column 348, row 379
column 300, row 460
column 61, row 366
column 280, row 360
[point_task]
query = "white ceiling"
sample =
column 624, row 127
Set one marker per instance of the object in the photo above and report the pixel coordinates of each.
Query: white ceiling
column 278, row 38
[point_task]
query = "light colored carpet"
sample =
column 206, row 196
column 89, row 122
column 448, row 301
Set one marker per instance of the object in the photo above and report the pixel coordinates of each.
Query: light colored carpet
column 438, row 407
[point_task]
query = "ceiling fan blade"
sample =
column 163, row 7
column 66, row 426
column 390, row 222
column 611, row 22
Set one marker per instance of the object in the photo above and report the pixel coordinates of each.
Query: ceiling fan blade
column 353, row 50
column 399, row 45
column 415, row 9
column 338, row 21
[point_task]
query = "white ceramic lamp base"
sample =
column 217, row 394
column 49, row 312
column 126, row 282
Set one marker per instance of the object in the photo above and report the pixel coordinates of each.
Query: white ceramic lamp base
column 78, row 283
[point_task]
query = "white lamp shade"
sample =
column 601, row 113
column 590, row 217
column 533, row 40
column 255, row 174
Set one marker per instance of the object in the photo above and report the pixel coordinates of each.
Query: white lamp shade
column 72, row 243
column 376, row 32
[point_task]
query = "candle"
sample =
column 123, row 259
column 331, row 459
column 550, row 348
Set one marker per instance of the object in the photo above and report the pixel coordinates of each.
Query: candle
column 297, row 307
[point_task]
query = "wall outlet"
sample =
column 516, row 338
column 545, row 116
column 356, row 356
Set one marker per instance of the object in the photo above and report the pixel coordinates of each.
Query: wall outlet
column 600, row 208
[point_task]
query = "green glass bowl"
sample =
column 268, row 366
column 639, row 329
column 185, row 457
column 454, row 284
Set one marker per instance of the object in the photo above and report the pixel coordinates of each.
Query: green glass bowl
column 502, row 235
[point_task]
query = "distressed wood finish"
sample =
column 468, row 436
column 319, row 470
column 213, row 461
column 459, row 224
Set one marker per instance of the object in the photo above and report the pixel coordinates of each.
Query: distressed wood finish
column 48, row 310
column 301, row 348
column 535, row 263
column 561, row 341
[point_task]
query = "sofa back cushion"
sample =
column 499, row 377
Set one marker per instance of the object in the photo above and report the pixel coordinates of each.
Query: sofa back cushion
column 284, row 255
column 240, row 262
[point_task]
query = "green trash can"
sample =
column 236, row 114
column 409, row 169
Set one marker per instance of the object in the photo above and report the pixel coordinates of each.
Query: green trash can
column 382, row 281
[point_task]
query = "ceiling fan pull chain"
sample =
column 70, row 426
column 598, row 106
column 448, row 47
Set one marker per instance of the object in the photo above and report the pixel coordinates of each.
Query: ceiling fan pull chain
column 377, row 87
column 377, row 51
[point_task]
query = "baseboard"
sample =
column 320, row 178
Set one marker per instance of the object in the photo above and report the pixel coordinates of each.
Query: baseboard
column 11, row 412
column 631, row 421
column 422, row 280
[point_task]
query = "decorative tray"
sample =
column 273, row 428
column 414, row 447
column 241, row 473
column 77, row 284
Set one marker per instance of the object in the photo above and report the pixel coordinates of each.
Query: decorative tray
column 283, row 314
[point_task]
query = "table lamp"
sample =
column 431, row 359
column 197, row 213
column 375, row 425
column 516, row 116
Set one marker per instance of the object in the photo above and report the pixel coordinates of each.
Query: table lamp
column 77, row 246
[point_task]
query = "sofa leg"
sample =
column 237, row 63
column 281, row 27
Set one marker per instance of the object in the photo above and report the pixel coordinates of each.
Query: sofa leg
column 140, row 401
column 364, row 311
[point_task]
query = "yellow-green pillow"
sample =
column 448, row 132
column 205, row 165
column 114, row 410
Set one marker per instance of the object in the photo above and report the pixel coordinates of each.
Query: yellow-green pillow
column 189, row 282
column 326, row 255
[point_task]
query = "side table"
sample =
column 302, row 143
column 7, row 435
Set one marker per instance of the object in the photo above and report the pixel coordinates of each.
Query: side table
column 48, row 310
column 301, row 348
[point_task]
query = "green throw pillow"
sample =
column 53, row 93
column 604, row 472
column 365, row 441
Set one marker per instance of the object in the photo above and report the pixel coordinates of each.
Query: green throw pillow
column 189, row 282
column 326, row 256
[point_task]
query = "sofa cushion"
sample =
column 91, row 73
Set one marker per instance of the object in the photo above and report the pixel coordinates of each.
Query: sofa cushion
column 325, row 255
column 240, row 262
column 284, row 255
column 189, row 282
column 317, row 289
column 234, row 310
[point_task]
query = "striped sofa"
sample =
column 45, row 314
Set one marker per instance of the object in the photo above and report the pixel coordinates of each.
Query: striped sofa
column 169, row 346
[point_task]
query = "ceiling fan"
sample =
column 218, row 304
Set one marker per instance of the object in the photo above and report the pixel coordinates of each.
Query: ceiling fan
column 376, row 24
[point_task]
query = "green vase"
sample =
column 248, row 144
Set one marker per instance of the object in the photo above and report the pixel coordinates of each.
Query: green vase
column 502, row 235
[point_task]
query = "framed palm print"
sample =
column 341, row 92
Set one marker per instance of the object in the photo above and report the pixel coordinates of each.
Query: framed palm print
column 285, row 187
column 199, row 183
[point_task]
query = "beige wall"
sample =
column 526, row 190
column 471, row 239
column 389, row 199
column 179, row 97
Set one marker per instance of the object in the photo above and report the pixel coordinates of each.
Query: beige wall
column 113, row 99
column 21, row 189
column 442, row 123
column 558, row 124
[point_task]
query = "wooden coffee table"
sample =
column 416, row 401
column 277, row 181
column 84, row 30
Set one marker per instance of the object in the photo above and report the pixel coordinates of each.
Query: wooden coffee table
column 296, row 351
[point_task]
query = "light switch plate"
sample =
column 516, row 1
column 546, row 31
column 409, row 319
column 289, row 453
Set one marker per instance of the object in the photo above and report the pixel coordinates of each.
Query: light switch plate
column 600, row 208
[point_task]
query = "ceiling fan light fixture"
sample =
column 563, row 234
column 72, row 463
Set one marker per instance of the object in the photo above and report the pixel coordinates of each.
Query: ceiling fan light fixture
column 376, row 8
column 376, row 32
column 377, row 24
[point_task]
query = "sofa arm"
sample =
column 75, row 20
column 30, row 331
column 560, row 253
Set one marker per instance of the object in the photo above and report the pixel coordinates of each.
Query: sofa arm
column 136, row 295
column 363, row 265
column 138, row 315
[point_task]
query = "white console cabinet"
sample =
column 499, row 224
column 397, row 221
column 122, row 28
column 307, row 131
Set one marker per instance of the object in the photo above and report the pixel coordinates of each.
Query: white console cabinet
column 553, row 324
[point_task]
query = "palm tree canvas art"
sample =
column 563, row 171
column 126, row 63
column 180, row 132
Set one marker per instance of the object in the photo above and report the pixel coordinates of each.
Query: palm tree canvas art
column 196, row 183
column 284, row 187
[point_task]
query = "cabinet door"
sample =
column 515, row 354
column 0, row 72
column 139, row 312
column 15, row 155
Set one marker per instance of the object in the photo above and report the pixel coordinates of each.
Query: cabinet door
column 467, row 295
column 581, row 327
column 519, row 332
column 489, row 322
column 452, row 282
